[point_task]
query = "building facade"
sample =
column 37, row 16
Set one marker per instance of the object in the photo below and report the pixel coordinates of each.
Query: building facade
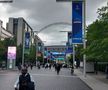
column 4, row 33
column 21, row 30
column 55, row 52
column 39, row 47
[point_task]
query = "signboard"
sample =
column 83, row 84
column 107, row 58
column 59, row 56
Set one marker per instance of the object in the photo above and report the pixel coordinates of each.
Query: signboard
column 77, row 22
column 11, row 53
column 27, row 40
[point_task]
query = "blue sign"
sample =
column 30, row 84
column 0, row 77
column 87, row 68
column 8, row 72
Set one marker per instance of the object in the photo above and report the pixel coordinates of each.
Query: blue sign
column 69, row 50
column 27, row 40
column 69, row 38
column 77, row 22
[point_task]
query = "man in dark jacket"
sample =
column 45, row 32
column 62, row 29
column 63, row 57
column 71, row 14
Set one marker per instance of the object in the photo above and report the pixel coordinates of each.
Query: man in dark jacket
column 24, row 82
column 58, row 67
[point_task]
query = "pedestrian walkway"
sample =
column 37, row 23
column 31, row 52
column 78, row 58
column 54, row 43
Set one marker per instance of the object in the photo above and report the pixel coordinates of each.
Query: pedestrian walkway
column 96, row 82
column 45, row 79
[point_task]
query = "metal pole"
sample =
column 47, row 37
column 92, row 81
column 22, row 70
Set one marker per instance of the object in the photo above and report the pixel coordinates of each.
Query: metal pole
column 73, row 54
column 84, row 56
column 23, row 47
column 43, row 51
column 36, row 50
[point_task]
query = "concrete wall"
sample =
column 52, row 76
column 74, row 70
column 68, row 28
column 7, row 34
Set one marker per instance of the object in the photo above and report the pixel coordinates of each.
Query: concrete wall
column 20, row 31
column 10, row 25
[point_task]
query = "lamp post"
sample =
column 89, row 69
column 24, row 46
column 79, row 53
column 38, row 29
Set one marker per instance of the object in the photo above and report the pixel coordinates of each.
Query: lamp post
column 84, row 56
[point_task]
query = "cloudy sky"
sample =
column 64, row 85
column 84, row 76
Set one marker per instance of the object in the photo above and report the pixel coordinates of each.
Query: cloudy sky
column 40, row 13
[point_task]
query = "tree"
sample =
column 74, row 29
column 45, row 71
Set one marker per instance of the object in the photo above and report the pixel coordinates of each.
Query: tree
column 4, row 47
column 31, row 56
column 97, row 37
column 2, row 51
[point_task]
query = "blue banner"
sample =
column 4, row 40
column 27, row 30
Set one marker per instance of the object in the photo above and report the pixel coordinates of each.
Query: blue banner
column 77, row 22
column 69, row 38
column 69, row 50
column 27, row 40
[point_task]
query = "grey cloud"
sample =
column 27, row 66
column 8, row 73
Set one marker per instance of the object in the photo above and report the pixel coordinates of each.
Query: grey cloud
column 43, row 12
column 91, row 9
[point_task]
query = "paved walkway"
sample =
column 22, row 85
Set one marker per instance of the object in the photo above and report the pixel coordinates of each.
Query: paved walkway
column 96, row 82
column 45, row 79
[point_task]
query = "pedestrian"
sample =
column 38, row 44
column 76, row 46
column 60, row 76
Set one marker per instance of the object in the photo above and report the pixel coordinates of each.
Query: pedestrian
column 38, row 65
column 19, row 67
column 25, row 81
column 106, row 71
column 50, row 66
column 58, row 67
column 72, row 70
column 46, row 65
column 31, row 66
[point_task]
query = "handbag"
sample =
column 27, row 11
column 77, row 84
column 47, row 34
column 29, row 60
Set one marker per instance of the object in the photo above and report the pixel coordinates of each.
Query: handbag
column 31, row 85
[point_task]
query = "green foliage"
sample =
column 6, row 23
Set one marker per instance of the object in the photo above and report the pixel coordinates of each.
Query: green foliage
column 19, row 54
column 4, row 47
column 97, row 37
column 31, row 57
column 40, row 58
column 79, row 52
column 2, row 50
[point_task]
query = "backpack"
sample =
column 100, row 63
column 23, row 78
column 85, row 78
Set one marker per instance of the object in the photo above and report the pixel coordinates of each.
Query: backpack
column 25, row 83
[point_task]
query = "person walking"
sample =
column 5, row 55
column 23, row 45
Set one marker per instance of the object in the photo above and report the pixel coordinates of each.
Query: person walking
column 25, row 81
column 58, row 67
column 31, row 66
column 106, row 71
column 19, row 67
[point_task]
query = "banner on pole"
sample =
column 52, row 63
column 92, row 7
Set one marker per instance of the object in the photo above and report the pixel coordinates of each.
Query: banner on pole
column 69, row 38
column 77, row 17
column 27, row 40
column 69, row 50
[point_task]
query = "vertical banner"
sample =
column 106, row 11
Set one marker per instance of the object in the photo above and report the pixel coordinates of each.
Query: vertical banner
column 77, row 17
column 69, row 38
column 27, row 40
column 69, row 50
